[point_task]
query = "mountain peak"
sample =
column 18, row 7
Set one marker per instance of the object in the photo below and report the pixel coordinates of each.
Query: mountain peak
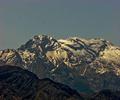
column 41, row 43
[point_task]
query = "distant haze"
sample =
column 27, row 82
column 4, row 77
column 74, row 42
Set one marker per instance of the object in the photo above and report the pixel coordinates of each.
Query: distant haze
column 22, row 19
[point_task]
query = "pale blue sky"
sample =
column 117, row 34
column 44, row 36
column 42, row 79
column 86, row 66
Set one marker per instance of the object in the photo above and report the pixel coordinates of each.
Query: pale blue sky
column 22, row 19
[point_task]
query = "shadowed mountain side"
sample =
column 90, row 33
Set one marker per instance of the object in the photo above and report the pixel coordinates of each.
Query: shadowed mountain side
column 19, row 84
column 106, row 95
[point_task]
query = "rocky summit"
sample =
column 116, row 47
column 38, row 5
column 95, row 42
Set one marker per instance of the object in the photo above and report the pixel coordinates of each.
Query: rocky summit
column 86, row 65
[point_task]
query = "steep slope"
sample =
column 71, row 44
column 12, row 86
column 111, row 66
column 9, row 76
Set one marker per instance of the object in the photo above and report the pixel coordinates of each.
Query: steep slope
column 19, row 84
column 84, row 64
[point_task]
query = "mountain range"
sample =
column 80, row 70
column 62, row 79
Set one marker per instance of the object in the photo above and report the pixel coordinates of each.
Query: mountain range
column 87, row 65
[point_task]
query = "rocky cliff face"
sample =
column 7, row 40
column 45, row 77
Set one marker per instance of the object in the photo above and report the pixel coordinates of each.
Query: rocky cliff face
column 84, row 64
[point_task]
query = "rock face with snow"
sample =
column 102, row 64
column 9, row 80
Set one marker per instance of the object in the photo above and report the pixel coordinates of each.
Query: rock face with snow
column 10, row 57
column 84, row 64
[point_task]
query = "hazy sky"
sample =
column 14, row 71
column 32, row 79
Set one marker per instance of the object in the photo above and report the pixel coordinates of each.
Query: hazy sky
column 22, row 19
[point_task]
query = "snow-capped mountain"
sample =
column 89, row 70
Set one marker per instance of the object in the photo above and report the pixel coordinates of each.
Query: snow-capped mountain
column 84, row 64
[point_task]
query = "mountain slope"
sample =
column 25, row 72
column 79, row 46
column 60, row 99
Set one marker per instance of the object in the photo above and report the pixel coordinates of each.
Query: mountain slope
column 19, row 84
column 84, row 64
column 106, row 95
